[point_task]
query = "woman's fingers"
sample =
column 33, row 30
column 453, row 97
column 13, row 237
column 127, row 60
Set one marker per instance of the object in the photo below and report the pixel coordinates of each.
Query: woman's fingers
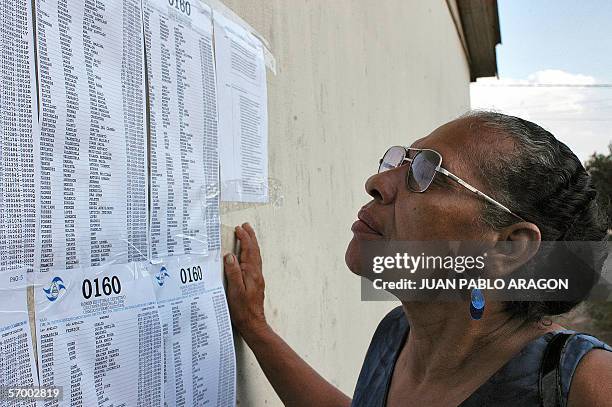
column 245, row 241
column 233, row 273
column 243, row 236
column 250, row 258
column 249, row 229
column 253, row 244
column 245, row 288
column 249, row 249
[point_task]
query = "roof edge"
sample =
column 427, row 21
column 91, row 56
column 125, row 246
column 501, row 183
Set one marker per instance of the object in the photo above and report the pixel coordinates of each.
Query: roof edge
column 480, row 24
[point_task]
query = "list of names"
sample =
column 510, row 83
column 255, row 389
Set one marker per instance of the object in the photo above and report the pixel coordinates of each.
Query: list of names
column 92, row 154
column 183, row 117
column 199, row 353
column 17, row 368
column 99, row 337
column 17, row 126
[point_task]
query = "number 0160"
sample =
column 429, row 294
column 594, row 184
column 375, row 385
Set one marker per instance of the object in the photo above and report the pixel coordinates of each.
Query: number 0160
column 191, row 274
column 110, row 285
column 182, row 5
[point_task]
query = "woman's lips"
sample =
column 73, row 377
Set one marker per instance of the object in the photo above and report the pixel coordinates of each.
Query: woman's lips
column 361, row 227
column 365, row 223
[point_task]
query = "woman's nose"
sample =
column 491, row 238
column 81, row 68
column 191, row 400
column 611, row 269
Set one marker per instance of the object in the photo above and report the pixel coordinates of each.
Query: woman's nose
column 383, row 186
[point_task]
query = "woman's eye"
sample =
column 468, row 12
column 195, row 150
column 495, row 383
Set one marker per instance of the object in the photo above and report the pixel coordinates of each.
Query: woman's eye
column 439, row 181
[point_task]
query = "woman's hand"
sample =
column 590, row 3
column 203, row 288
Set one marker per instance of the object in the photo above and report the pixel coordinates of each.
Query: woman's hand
column 295, row 382
column 245, row 285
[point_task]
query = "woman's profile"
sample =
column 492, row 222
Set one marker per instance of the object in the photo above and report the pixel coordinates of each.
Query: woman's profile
column 484, row 177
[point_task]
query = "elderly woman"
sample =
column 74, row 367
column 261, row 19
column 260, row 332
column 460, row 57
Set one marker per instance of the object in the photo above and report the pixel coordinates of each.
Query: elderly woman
column 504, row 179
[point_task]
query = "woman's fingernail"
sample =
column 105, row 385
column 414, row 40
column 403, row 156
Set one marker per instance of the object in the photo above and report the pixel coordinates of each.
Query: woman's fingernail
column 229, row 259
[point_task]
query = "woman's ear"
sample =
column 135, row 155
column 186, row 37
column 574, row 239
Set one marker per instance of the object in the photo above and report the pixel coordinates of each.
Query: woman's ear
column 516, row 245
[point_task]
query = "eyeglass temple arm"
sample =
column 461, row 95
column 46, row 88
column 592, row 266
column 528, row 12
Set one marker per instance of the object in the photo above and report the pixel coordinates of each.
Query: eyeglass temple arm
column 476, row 191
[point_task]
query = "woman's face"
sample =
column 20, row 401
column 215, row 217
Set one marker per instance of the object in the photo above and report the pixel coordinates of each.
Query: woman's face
column 445, row 211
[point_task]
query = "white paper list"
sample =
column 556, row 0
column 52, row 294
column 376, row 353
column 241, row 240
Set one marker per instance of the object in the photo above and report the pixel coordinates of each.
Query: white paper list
column 17, row 368
column 199, row 352
column 17, row 125
column 99, row 337
column 243, row 113
column 93, row 151
column 183, row 125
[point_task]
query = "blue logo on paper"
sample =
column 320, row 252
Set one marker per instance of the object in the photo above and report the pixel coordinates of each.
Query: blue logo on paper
column 161, row 275
column 56, row 286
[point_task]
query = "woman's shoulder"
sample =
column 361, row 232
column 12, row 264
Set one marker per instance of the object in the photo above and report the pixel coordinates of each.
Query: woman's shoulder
column 585, row 370
column 518, row 381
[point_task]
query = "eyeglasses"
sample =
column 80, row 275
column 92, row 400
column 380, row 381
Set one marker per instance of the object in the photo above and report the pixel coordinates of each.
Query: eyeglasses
column 423, row 168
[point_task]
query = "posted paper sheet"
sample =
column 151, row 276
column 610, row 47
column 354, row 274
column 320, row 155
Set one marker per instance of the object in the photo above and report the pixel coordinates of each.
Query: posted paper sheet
column 199, row 361
column 17, row 366
column 199, row 351
column 243, row 112
column 183, row 116
column 93, row 147
column 17, row 127
column 18, row 222
column 129, row 305
column 99, row 337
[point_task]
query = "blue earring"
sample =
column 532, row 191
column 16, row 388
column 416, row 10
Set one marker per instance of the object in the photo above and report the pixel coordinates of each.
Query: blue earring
column 477, row 304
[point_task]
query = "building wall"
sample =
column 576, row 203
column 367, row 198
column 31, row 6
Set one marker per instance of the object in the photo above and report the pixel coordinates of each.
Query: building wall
column 353, row 77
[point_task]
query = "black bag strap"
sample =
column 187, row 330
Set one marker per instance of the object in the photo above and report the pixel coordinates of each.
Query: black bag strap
column 550, row 383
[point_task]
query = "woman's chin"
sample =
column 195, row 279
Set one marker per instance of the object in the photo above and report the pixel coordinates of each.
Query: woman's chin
column 352, row 257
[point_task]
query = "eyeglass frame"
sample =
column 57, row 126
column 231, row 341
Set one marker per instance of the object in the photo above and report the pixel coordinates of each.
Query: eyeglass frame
column 443, row 171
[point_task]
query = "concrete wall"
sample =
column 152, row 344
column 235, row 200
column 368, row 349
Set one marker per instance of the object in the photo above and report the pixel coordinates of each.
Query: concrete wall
column 354, row 77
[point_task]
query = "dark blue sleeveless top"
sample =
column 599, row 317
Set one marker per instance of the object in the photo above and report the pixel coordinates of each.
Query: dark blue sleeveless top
column 515, row 384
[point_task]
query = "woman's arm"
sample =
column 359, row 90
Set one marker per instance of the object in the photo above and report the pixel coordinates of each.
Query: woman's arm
column 592, row 382
column 295, row 382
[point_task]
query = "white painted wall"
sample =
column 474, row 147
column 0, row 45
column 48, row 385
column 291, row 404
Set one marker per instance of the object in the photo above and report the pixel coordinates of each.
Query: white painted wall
column 354, row 77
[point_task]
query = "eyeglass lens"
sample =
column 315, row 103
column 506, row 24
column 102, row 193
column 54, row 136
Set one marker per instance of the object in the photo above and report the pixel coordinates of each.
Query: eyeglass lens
column 423, row 170
column 392, row 159
column 422, row 167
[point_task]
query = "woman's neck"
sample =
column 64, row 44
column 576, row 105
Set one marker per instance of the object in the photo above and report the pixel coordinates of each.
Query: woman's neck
column 445, row 342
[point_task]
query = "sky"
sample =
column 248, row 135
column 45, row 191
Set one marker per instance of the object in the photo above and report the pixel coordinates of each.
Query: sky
column 558, row 42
